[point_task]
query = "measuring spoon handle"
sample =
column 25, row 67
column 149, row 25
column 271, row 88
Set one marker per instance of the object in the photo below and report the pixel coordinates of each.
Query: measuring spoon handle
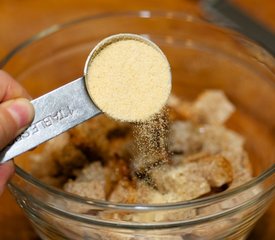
column 55, row 113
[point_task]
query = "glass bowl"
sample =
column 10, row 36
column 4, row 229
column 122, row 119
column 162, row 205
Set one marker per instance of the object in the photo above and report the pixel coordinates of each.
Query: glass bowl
column 202, row 56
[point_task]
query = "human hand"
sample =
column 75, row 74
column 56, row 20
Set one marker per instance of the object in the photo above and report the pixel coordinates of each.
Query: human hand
column 16, row 112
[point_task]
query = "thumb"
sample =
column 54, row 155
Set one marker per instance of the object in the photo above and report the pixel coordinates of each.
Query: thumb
column 15, row 115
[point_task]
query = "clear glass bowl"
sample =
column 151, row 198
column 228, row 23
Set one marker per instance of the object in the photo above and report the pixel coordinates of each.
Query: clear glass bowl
column 202, row 56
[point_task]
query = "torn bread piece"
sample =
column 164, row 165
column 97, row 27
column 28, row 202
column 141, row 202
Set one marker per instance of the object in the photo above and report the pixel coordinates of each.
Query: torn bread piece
column 211, row 107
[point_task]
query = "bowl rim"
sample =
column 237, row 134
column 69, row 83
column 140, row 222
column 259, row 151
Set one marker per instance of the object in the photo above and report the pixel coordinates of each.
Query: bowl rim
column 119, row 224
column 142, row 207
column 56, row 27
column 145, row 207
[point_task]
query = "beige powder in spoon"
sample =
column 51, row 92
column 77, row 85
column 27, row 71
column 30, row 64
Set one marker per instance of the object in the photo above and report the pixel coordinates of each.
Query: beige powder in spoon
column 129, row 79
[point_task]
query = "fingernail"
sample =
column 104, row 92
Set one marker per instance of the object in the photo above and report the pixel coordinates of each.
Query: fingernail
column 22, row 111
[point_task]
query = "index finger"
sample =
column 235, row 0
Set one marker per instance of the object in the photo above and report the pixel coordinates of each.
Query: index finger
column 6, row 171
column 10, row 89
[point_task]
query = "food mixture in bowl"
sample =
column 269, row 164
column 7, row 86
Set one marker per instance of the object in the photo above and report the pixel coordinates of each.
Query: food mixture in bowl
column 183, row 153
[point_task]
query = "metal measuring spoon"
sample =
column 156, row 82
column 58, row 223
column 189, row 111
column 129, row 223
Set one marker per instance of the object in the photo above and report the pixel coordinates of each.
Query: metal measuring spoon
column 62, row 108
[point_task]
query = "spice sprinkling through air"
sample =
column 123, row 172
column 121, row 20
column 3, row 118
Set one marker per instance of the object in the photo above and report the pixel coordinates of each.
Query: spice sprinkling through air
column 128, row 77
